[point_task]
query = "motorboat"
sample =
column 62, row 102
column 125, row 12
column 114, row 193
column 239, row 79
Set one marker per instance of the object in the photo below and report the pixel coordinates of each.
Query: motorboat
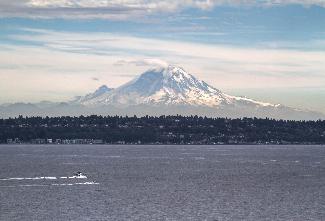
column 80, row 175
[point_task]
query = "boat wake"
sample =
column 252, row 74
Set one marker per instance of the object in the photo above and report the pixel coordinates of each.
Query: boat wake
column 78, row 175
column 53, row 184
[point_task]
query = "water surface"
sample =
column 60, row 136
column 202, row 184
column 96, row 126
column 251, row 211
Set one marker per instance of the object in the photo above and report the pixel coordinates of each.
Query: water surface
column 162, row 182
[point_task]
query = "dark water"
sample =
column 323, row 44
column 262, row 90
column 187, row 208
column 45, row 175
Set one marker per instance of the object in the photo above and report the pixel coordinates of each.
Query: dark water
column 163, row 183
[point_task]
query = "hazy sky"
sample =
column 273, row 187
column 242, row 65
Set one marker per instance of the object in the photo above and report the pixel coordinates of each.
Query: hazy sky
column 272, row 50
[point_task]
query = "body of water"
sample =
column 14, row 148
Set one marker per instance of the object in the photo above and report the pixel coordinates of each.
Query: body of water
column 162, row 182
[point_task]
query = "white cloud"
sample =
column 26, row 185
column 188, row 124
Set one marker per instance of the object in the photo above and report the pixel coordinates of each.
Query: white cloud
column 122, row 9
column 67, row 61
column 144, row 62
column 301, row 2
column 161, row 50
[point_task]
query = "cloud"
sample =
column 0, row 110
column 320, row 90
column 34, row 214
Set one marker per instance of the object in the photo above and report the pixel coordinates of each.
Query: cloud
column 144, row 62
column 320, row 3
column 88, row 9
column 126, row 9
column 70, row 63
column 67, row 52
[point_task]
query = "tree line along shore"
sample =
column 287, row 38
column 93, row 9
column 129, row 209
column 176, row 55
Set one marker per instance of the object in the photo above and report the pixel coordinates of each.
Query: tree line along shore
column 159, row 130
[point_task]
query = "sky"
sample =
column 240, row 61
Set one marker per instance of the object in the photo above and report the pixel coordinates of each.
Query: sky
column 270, row 50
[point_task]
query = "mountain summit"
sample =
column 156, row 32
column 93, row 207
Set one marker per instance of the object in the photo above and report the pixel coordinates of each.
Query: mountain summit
column 167, row 86
column 171, row 85
column 163, row 91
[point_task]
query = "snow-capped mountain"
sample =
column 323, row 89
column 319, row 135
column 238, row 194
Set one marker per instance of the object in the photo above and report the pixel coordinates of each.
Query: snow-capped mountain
column 166, row 86
column 172, row 90
column 162, row 91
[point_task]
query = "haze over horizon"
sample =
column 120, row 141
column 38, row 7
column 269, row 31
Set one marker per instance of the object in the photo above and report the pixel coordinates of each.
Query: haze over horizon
column 273, row 51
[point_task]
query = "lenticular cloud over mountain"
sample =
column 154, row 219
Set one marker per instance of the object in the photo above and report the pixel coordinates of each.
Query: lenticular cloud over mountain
column 165, row 90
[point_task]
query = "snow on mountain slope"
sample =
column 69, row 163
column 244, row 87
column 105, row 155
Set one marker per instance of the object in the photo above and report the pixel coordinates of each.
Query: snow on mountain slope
column 167, row 86
column 101, row 90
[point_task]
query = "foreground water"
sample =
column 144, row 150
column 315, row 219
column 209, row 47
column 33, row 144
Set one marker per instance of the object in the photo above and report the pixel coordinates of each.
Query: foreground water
column 162, row 182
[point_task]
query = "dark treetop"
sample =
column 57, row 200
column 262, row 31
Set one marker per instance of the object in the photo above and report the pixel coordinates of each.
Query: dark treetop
column 160, row 130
